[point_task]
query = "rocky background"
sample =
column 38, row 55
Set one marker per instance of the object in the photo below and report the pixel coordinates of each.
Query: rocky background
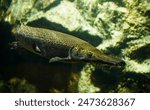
column 120, row 28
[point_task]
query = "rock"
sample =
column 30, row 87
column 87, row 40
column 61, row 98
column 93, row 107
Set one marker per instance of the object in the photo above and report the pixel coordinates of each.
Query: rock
column 118, row 28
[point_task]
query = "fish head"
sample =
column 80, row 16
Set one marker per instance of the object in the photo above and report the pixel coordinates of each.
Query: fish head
column 93, row 55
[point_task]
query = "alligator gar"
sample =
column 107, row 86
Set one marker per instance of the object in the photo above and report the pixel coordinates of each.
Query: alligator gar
column 57, row 46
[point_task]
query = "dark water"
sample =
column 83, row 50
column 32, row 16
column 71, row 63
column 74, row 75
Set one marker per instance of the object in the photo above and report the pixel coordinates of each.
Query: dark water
column 18, row 64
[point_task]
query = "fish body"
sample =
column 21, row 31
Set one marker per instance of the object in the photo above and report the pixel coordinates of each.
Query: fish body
column 57, row 46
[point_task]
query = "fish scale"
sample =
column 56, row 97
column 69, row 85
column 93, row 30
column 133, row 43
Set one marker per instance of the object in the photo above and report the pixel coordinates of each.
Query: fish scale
column 57, row 46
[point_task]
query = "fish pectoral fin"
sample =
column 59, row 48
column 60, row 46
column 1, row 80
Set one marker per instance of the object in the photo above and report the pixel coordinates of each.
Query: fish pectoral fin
column 58, row 59
column 62, row 59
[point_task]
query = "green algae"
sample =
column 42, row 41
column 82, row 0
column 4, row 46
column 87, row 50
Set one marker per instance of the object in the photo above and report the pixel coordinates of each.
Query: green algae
column 21, row 86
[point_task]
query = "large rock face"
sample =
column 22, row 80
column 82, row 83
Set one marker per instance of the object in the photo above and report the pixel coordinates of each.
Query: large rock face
column 119, row 28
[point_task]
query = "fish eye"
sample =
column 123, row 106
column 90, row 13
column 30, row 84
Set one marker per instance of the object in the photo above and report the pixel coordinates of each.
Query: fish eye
column 89, row 55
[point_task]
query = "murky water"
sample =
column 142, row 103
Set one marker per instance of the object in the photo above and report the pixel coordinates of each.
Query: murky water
column 117, row 28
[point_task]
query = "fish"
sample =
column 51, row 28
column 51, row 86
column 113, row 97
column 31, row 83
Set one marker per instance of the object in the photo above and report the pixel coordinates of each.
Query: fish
column 60, row 47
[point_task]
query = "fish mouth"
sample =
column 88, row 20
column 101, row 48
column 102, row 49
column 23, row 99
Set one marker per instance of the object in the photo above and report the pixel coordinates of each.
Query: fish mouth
column 115, row 63
column 120, row 63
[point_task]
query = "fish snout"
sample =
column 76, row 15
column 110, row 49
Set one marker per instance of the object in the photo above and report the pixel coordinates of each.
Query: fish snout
column 120, row 63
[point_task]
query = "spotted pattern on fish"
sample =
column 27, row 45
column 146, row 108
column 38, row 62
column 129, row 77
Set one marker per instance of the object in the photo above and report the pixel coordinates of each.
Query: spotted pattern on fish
column 58, row 46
